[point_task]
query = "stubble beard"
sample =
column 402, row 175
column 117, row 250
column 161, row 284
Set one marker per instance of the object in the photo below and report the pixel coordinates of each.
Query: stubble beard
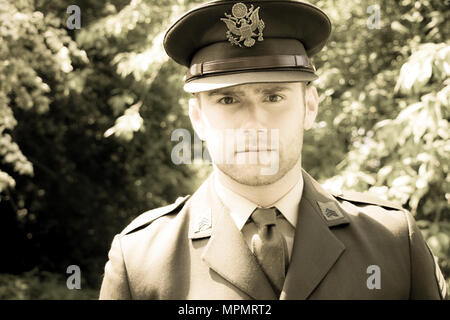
column 253, row 174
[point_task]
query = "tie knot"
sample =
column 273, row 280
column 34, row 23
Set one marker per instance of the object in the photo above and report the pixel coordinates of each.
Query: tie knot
column 264, row 216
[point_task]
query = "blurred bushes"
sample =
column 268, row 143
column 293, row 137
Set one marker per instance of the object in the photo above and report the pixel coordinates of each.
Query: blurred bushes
column 35, row 285
column 84, row 146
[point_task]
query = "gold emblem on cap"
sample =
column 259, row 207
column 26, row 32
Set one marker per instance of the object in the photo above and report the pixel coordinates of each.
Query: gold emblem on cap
column 243, row 23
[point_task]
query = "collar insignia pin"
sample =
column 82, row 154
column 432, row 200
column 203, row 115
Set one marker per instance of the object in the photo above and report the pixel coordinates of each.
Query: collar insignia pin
column 330, row 211
column 243, row 23
column 203, row 222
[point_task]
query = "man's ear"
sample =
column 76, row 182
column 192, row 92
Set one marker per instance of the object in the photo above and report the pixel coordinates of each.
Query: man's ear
column 312, row 105
column 195, row 114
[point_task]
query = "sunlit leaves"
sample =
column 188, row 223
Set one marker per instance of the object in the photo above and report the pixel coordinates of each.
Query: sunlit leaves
column 143, row 65
column 429, row 59
column 414, row 138
column 36, row 55
column 437, row 235
column 398, row 27
column 120, row 102
column 127, row 124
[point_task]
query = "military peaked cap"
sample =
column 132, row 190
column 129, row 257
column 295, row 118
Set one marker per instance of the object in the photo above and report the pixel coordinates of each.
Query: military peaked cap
column 228, row 42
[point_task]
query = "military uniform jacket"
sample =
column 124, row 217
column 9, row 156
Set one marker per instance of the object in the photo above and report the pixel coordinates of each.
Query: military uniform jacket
column 344, row 248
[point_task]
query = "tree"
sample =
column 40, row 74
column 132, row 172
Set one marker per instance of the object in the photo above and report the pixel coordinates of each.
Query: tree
column 69, row 187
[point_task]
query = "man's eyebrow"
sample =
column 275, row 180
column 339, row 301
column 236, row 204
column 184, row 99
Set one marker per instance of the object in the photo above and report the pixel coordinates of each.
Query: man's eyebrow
column 225, row 93
column 258, row 90
column 274, row 89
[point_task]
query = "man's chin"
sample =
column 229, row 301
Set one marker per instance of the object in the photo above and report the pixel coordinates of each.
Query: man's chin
column 251, row 175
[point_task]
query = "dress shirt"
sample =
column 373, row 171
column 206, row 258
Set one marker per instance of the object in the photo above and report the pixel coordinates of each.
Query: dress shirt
column 241, row 209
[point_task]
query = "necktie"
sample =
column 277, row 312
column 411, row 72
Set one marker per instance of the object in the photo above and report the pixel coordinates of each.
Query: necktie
column 269, row 247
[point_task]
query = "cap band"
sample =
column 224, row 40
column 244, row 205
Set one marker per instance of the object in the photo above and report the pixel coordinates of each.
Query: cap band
column 300, row 62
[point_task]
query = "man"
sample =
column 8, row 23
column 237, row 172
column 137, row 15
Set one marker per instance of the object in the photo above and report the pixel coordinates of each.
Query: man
column 260, row 227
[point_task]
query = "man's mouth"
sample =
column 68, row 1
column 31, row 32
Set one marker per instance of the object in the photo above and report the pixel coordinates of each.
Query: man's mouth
column 254, row 150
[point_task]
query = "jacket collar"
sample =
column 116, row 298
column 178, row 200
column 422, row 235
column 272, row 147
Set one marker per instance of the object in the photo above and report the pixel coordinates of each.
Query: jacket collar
column 315, row 249
column 227, row 252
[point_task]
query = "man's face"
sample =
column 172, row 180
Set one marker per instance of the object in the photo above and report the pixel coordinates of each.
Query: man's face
column 254, row 132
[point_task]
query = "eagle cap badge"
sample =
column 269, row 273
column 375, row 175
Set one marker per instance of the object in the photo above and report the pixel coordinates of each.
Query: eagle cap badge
column 243, row 24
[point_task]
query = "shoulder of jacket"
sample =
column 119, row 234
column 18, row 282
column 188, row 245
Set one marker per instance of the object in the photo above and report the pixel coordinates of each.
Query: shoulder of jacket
column 366, row 198
column 148, row 217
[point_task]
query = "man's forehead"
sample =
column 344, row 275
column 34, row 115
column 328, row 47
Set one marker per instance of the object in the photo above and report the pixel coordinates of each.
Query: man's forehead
column 256, row 88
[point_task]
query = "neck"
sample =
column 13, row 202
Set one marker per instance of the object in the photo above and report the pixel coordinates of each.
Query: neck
column 265, row 195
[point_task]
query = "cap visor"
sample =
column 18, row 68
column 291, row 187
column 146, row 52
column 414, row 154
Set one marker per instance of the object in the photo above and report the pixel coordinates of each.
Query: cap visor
column 230, row 80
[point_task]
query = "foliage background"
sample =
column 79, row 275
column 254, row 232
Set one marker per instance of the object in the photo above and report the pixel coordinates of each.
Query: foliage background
column 86, row 118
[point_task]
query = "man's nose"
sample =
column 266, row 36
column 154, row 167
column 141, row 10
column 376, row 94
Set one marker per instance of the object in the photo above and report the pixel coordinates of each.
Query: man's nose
column 253, row 117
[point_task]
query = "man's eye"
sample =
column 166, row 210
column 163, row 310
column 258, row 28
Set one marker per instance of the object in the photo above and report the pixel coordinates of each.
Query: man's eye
column 273, row 98
column 227, row 100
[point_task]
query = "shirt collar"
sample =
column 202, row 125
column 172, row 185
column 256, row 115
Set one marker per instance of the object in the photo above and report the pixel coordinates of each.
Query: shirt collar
column 242, row 208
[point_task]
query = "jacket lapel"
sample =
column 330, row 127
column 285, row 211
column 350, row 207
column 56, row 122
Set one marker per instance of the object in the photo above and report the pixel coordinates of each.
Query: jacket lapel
column 315, row 249
column 227, row 253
